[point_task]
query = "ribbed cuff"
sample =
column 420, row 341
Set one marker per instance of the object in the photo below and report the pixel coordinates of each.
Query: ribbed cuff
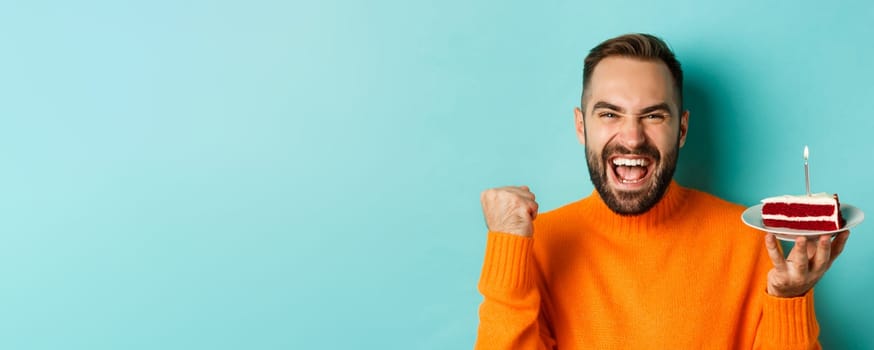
column 506, row 266
column 790, row 320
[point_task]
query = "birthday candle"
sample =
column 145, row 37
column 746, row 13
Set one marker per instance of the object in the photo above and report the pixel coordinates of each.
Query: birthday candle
column 806, row 171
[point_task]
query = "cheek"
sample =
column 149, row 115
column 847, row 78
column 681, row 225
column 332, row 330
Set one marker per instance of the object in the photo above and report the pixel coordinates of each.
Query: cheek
column 598, row 138
column 664, row 138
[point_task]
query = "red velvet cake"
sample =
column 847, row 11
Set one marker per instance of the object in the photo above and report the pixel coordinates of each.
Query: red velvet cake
column 817, row 212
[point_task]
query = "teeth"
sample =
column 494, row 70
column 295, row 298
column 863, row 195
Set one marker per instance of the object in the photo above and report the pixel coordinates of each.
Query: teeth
column 630, row 181
column 630, row 162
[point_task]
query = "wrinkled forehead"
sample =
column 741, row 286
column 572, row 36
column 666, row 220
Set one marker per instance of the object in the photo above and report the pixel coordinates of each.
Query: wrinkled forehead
column 632, row 84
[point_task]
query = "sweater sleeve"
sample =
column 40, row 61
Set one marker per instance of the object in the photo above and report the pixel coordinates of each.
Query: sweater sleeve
column 510, row 316
column 788, row 323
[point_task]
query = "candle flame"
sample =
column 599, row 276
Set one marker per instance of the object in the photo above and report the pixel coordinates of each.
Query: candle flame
column 806, row 153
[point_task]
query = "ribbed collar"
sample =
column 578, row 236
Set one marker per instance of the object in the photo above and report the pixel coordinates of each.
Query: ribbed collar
column 658, row 215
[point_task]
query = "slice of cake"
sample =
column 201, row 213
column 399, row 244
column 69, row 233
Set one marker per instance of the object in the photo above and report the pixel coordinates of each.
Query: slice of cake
column 817, row 212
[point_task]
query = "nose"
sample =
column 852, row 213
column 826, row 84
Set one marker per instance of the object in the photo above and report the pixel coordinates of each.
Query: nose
column 631, row 134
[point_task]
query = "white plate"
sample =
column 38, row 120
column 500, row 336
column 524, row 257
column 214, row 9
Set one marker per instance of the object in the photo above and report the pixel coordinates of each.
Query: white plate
column 753, row 218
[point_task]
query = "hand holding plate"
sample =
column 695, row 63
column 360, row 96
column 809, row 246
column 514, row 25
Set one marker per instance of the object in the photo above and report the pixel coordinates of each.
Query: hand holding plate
column 806, row 264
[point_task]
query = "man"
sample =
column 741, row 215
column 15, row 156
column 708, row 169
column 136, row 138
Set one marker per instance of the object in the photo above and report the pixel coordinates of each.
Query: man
column 642, row 263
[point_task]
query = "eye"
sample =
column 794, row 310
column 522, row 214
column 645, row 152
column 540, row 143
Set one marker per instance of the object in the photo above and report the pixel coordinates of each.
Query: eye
column 654, row 117
column 608, row 115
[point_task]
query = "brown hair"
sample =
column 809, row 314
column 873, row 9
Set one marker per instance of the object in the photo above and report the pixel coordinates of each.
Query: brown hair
column 641, row 46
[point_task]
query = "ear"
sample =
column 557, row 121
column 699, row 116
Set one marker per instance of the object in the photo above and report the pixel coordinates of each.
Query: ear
column 579, row 126
column 684, row 127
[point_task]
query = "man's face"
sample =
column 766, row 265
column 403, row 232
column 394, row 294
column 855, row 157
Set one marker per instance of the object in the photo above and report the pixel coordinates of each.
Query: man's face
column 632, row 131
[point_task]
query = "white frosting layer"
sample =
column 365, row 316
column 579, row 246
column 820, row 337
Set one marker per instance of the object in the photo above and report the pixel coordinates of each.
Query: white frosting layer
column 817, row 198
column 832, row 218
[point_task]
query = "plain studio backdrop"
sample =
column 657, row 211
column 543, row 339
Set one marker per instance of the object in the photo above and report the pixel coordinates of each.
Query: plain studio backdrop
column 306, row 175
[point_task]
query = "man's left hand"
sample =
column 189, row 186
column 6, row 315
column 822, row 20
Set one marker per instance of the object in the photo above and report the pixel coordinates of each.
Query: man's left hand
column 805, row 265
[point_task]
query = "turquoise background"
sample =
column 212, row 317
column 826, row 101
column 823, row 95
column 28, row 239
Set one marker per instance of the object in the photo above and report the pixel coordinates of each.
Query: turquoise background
column 306, row 175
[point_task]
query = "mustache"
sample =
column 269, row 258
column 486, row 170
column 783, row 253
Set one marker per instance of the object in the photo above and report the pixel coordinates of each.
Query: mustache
column 647, row 150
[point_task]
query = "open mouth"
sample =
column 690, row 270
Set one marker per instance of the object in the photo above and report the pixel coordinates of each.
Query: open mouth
column 631, row 170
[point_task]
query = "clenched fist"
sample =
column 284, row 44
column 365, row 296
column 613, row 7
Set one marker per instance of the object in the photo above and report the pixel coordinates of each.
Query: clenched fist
column 510, row 210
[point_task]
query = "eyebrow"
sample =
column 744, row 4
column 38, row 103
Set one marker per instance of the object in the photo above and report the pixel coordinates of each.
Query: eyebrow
column 658, row 107
column 602, row 104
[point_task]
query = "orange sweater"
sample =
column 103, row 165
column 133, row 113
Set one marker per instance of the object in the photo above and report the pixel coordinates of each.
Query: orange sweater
column 685, row 275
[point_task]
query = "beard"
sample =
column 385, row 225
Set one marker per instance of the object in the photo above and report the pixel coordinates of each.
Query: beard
column 632, row 202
